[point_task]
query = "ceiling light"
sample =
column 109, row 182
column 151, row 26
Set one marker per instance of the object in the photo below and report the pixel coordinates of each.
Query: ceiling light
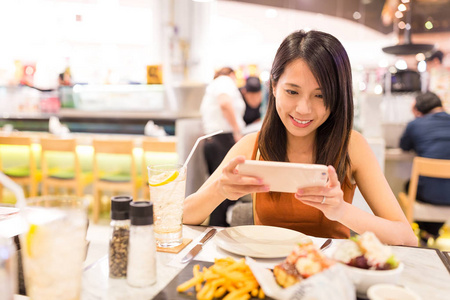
column 398, row 14
column 408, row 47
column 401, row 64
column 428, row 25
column 420, row 56
column 401, row 7
column 422, row 66
column 356, row 15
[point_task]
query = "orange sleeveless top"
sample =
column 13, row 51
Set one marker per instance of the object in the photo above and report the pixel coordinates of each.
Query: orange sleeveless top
column 284, row 210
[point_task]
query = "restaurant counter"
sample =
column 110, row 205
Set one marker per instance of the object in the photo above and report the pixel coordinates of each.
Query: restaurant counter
column 125, row 122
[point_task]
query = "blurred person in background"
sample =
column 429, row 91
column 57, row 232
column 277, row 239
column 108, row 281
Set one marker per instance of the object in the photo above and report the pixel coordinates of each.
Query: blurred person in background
column 439, row 78
column 222, row 108
column 429, row 136
column 252, row 95
column 435, row 60
column 65, row 78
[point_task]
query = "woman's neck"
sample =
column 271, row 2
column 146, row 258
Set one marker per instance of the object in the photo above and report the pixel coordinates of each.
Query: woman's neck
column 300, row 149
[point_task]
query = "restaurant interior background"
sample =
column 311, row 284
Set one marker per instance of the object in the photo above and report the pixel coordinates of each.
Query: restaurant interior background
column 110, row 45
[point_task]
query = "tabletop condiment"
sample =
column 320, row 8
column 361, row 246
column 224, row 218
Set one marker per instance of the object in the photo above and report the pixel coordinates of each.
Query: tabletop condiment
column 142, row 246
column 118, row 244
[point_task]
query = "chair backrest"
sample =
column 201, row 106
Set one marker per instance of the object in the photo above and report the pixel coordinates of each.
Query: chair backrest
column 20, row 141
column 122, row 147
column 59, row 145
column 429, row 167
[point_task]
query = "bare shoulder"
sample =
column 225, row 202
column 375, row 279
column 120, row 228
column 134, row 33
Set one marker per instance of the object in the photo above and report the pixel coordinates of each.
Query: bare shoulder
column 356, row 139
column 359, row 150
column 244, row 146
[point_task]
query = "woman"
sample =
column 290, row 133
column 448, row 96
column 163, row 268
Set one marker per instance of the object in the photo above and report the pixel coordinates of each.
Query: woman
column 309, row 120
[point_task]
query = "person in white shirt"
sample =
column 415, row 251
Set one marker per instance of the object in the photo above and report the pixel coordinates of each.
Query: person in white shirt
column 222, row 108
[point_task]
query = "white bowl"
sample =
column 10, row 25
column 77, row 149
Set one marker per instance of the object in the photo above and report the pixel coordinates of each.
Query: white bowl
column 363, row 279
column 390, row 291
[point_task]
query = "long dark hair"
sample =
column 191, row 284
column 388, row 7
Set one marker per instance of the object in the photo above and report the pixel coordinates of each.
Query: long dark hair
column 223, row 71
column 329, row 63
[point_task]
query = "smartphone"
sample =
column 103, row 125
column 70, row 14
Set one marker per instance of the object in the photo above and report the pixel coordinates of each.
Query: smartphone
column 285, row 177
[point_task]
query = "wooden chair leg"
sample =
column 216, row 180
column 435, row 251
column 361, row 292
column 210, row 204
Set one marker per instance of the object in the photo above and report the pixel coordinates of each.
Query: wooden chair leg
column 33, row 189
column 96, row 206
column 79, row 191
column 44, row 189
column 135, row 194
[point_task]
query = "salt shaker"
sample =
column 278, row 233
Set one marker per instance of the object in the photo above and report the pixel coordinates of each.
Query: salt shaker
column 142, row 246
column 118, row 244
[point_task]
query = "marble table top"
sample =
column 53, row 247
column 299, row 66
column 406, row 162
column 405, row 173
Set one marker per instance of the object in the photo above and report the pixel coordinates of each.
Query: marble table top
column 427, row 272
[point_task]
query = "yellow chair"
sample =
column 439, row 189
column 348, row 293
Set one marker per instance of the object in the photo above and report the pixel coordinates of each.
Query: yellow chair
column 65, row 174
column 25, row 174
column 153, row 145
column 110, row 176
column 420, row 211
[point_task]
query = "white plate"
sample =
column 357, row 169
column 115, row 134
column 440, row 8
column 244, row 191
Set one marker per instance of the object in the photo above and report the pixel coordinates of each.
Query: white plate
column 260, row 241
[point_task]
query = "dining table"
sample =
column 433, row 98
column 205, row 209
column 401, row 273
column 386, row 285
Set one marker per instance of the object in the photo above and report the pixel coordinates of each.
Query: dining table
column 426, row 270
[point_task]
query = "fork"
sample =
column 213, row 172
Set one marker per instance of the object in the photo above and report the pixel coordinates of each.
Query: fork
column 326, row 244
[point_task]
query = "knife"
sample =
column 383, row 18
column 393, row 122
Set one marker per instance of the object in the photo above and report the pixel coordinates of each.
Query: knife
column 194, row 251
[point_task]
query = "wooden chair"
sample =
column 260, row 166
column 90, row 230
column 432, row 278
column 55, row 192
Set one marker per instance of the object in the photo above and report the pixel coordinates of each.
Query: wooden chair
column 420, row 211
column 153, row 145
column 109, row 177
column 25, row 173
column 65, row 174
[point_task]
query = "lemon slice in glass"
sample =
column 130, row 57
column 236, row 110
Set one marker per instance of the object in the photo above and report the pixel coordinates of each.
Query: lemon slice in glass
column 30, row 237
column 163, row 178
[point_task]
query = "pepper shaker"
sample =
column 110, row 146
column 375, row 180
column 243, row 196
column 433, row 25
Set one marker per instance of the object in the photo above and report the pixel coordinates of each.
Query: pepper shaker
column 118, row 244
column 142, row 246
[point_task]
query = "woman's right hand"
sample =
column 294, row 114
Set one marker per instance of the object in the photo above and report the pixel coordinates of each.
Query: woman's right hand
column 233, row 186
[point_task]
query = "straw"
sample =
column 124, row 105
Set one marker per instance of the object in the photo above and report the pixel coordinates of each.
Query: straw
column 15, row 188
column 196, row 144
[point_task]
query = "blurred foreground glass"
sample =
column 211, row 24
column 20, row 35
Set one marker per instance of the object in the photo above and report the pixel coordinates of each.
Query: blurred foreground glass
column 54, row 246
column 167, row 185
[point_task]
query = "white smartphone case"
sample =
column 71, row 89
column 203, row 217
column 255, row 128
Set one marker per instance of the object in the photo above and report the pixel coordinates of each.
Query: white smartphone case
column 285, row 177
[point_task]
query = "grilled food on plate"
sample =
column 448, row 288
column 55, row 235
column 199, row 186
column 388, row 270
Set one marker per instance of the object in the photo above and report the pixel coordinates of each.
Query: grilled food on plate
column 304, row 261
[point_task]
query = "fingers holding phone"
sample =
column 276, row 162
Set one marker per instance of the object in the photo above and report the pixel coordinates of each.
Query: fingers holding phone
column 328, row 199
column 235, row 185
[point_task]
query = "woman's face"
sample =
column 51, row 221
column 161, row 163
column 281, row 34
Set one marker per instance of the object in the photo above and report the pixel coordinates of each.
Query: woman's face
column 299, row 100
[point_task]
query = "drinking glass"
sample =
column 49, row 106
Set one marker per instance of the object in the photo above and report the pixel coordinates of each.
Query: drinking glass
column 167, row 185
column 54, row 246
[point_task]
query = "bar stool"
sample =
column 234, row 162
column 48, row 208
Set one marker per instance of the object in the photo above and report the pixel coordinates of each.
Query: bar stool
column 65, row 173
column 109, row 174
column 156, row 147
column 23, row 173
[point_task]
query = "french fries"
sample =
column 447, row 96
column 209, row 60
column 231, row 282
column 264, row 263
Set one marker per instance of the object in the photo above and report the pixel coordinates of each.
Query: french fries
column 227, row 278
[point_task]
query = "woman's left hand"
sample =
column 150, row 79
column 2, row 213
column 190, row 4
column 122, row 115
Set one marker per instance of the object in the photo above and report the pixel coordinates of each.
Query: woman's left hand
column 329, row 198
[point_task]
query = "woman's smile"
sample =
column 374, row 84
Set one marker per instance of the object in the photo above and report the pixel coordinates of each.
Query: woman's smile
column 300, row 123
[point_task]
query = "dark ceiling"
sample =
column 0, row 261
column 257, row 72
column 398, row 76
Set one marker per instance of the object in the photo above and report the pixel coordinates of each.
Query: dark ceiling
column 437, row 11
